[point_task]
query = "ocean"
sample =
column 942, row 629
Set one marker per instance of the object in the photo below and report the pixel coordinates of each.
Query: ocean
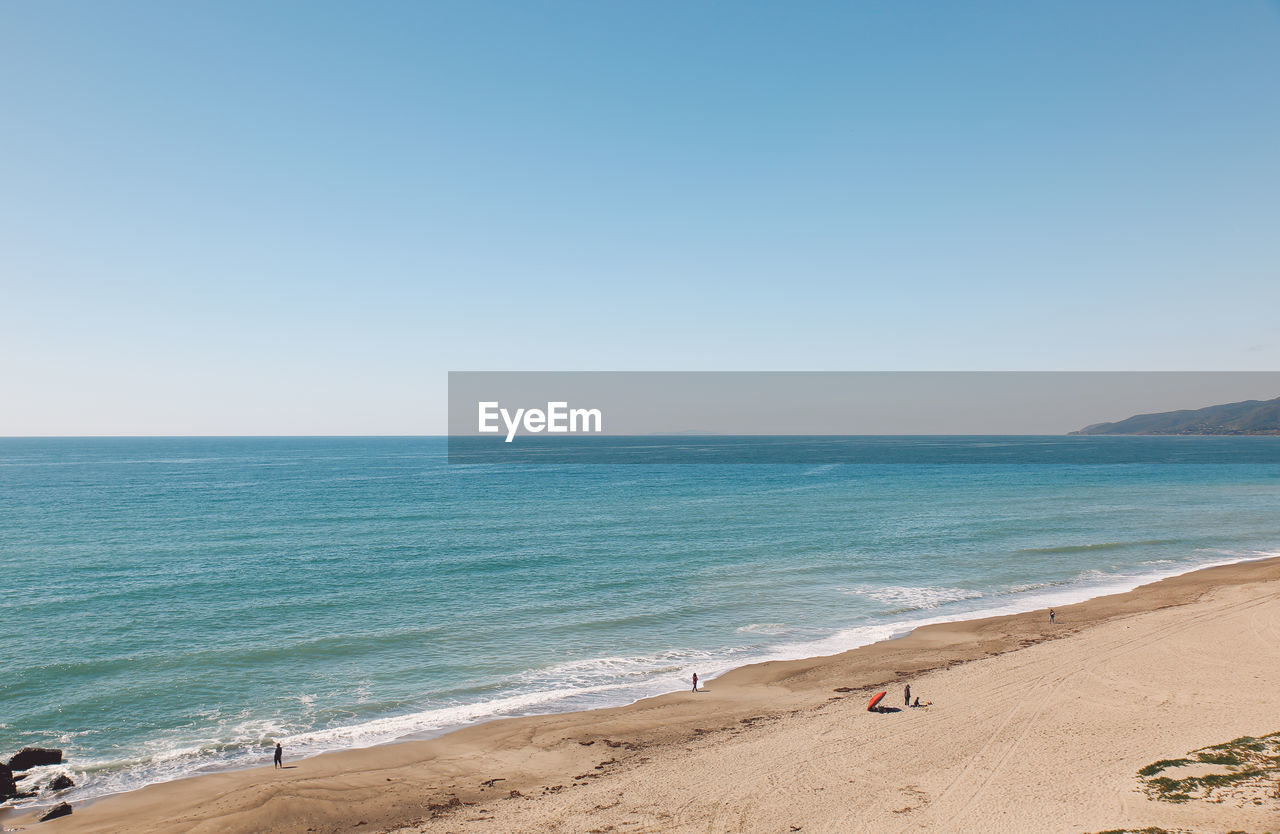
column 176, row 605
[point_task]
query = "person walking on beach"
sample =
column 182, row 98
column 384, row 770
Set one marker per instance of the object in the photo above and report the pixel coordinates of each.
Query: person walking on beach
column 279, row 755
column 695, row 681
column 1052, row 615
column 906, row 696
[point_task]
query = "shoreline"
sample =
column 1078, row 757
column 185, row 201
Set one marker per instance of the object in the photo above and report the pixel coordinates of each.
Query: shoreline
column 837, row 643
column 388, row 785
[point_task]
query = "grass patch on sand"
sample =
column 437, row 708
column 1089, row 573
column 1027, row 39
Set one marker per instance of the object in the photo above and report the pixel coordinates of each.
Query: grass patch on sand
column 1155, row 767
column 1220, row 758
column 1251, row 772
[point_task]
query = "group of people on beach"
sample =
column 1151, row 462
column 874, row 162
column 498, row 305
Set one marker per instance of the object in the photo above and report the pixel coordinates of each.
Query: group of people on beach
column 906, row 700
column 875, row 704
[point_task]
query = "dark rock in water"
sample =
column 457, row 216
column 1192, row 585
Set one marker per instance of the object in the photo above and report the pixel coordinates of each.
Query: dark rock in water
column 7, row 786
column 62, row 809
column 61, row 782
column 29, row 757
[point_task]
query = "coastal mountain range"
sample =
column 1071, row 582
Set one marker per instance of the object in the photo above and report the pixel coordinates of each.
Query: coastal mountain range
column 1248, row 417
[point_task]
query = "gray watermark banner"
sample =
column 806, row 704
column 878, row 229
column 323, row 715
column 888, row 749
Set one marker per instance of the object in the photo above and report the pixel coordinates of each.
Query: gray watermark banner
column 595, row 417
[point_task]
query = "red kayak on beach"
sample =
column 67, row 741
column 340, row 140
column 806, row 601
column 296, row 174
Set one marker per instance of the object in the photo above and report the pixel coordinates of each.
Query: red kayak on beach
column 875, row 699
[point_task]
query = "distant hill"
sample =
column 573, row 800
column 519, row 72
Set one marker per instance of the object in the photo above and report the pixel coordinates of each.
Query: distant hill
column 1248, row 417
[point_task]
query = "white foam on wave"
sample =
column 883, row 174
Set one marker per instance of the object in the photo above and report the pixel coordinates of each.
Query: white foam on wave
column 391, row 728
column 912, row 597
column 767, row 629
column 610, row 669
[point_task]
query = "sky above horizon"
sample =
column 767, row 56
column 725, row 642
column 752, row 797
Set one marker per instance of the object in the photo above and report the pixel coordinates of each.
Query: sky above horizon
column 297, row 217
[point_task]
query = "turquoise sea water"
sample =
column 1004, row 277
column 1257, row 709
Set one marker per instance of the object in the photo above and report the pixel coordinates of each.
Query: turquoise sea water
column 177, row 605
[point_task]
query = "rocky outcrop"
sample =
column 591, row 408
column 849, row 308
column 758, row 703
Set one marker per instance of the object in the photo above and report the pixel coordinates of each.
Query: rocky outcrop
column 8, row 787
column 61, row 782
column 29, row 757
column 62, row 809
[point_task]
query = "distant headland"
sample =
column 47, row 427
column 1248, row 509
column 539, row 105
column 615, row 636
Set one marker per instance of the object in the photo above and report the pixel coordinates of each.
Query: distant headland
column 1248, row 417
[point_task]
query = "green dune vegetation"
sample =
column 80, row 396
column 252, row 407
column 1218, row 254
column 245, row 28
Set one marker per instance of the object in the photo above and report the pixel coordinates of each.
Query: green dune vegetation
column 1243, row 771
column 1246, row 769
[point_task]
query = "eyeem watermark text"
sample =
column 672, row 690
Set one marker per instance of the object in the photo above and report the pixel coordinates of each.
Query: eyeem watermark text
column 558, row 418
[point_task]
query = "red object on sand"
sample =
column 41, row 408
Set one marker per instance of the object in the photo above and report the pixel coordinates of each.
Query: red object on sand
column 875, row 700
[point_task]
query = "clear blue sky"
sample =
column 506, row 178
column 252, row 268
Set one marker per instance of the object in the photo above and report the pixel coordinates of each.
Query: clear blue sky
column 272, row 217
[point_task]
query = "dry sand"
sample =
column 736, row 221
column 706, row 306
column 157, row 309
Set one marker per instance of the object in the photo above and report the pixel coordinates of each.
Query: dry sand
column 1033, row 728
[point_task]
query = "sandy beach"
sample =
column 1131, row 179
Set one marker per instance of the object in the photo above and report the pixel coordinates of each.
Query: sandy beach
column 1033, row 727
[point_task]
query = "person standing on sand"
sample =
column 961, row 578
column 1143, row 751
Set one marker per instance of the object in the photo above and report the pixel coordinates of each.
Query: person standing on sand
column 279, row 755
column 1052, row 615
column 695, row 681
column 906, row 696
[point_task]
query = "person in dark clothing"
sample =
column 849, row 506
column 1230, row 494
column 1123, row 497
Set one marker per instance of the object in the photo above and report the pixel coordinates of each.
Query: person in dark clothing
column 279, row 755
column 1052, row 615
column 695, row 681
column 906, row 696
